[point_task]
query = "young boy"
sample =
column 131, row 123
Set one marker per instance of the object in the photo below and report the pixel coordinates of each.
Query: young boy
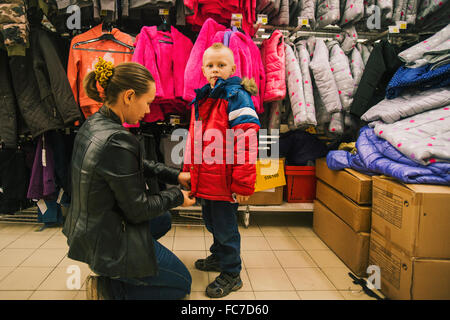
column 222, row 178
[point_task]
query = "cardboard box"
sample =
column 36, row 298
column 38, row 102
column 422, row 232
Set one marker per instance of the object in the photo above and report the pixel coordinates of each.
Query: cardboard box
column 351, row 247
column 404, row 277
column 353, row 184
column 415, row 217
column 266, row 197
column 356, row 216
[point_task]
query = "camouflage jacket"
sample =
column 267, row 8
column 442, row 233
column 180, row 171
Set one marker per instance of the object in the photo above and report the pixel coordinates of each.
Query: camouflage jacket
column 15, row 18
column 14, row 26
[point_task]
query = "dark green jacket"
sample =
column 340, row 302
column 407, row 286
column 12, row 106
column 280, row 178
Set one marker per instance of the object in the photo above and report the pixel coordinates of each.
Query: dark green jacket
column 107, row 225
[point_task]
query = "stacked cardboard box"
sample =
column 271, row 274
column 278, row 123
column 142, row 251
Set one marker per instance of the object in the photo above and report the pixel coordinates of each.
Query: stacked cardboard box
column 410, row 239
column 270, row 181
column 342, row 214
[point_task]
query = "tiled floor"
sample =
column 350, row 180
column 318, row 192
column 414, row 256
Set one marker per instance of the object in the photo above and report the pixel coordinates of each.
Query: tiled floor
column 282, row 259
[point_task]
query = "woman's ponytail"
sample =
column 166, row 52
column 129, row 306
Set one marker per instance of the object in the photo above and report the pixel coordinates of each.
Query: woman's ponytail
column 90, row 87
column 115, row 79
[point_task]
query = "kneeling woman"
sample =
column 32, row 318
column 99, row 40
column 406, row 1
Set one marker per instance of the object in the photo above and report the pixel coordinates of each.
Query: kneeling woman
column 113, row 223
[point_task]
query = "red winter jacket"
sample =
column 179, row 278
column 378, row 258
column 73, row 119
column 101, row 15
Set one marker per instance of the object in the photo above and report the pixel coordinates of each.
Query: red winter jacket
column 227, row 106
column 273, row 58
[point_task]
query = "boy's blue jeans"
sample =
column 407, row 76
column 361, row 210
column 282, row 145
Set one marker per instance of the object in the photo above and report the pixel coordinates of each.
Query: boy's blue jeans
column 221, row 220
column 173, row 281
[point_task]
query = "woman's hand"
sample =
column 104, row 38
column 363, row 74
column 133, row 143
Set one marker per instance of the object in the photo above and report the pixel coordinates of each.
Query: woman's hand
column 188, row 201
column 184, row 178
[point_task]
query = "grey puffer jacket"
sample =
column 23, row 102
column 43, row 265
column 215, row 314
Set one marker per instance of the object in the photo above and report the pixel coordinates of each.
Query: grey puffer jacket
column 304, row 60
column 342, row 75
column 399, row 10
column 308, row 9
column 357, row 67
column 365, row 52
column 428, row 7
column 410, row 55
column 348, row 38
column 411, row 11
column 295, row 86
column 327, row 12
column 323, row 77
column 424, row 137
column 337, row 123
column 408, row 104
column 322, row 115
column 353, row 11
column 387, row 10
column 282, row 18
column 269, row 7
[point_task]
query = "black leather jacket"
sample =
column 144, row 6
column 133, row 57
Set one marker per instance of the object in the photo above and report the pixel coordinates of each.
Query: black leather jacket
column 107, row 225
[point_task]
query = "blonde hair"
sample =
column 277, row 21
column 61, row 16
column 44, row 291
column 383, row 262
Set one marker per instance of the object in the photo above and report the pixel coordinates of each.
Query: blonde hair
column 115, row 79
column 219, row 46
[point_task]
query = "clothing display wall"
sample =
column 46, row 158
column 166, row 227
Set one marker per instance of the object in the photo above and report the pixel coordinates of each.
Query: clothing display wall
column 334, row 84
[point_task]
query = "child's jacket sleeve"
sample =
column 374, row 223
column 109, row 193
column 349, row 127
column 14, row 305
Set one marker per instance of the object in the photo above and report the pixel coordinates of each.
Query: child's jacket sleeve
column 244, row 121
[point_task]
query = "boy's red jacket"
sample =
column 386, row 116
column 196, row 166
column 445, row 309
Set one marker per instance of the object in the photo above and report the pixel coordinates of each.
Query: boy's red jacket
column 215, row 173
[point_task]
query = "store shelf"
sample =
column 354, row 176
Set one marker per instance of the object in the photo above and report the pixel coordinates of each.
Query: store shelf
column 285, row 207
column 190, row 212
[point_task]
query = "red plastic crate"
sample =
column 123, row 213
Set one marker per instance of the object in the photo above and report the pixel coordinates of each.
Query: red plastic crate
column 300, row 183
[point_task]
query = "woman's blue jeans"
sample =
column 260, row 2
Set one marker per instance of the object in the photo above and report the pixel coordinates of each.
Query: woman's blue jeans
column 173, row 281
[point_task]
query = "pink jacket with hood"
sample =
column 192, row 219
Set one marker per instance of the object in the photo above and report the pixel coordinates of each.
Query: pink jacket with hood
column 165, row 55
column 246, row 54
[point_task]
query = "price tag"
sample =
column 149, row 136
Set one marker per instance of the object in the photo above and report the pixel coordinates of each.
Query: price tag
column 402, row 25
column 311, row 130
column 236, row 20
column 394, row 29
column 262, row 18
column 303, row 21
column 163, row 12
column 236, row 23
column 236, row 16
column 61, row 192
column 175, row 119
column 265, row 36
column 42, row 206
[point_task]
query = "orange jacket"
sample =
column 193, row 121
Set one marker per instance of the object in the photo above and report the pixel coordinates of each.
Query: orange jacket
column 81, row 62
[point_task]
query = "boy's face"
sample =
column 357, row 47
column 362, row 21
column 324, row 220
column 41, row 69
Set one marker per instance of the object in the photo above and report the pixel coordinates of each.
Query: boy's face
column 218, row 63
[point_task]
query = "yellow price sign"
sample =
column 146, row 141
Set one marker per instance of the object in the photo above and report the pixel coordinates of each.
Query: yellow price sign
column 163, row 12
column 394, row 29
column 262, row 18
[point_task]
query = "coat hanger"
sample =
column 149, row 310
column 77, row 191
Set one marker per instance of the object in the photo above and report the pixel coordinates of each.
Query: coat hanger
column 105, row 36
column 165, row 25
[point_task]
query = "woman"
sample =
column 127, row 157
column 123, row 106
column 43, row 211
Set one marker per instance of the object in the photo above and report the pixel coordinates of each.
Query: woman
column 108, row 223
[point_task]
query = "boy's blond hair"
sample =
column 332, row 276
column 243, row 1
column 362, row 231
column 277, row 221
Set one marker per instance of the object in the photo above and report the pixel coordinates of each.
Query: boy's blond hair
column 219, row 46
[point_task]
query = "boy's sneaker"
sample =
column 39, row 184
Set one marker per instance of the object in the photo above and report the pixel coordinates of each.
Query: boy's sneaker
column 211, row 263
column 223, row 285
column 98, row 288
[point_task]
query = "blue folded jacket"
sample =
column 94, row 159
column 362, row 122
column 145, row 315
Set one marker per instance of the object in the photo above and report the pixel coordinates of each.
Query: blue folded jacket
column 377, row 156
column 422, row 78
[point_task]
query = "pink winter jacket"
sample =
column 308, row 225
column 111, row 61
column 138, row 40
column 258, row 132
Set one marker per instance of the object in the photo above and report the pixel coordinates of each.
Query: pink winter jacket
column 166, row 62
column 248, row 62
column 246, row 54
column 273, row 58
column 193, row 75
